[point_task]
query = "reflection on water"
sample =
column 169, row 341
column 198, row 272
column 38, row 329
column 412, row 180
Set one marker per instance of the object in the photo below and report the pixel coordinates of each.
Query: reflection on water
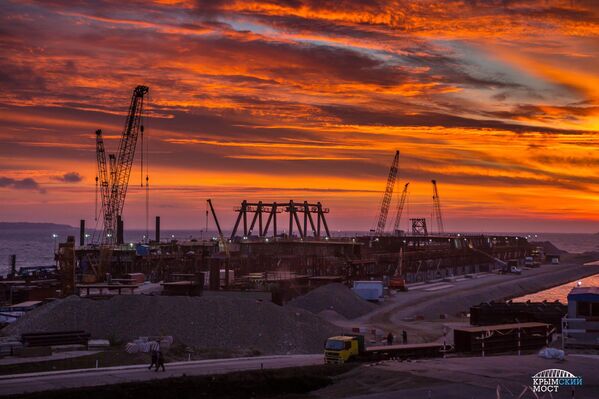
column 559, row 293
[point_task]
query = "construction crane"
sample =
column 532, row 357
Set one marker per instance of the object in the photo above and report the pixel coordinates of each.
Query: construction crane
column 382, row 219
column 223, row 242
column 437, row 208
column 400, row 206
column 114, row 176
column 221, row 236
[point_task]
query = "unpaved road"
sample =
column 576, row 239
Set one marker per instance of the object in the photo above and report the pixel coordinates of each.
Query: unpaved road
column 37, row 382
column 430, row 301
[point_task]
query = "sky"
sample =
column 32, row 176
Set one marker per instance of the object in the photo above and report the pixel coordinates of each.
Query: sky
column 307, row 100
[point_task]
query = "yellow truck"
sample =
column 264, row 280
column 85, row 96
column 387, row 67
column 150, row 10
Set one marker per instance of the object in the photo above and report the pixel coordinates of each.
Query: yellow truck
column 344, row 348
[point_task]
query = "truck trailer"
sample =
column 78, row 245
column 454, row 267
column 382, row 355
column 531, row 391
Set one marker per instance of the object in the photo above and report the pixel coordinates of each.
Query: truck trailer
column 344, row 348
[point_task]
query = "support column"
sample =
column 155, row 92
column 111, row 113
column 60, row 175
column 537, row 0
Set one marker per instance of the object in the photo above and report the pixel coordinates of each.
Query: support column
column 82, row 232
column 157, row 229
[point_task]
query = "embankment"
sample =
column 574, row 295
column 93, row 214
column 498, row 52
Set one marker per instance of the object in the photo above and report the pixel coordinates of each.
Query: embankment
column 497, row 288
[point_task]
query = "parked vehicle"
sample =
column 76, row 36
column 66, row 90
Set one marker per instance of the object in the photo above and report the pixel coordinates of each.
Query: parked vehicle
column 344, row 348
column 370, row 290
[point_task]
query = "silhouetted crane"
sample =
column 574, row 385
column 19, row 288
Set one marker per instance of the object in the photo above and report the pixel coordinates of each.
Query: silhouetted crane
column 400, row 206
column 382, row 219
column 437, row 208
column 114, row 182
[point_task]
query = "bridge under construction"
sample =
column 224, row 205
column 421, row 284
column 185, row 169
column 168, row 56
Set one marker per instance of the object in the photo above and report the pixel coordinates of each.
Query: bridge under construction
column 277, row 246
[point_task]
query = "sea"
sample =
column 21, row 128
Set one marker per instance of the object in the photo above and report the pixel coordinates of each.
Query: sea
column 34, row 243
column 559, row 293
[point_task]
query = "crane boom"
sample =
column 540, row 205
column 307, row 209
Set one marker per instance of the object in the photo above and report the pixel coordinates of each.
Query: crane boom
column 127, row 146
column 222, row 239
column 382, row 219
column 114, row 176
column 437, row 208
column 400, row 206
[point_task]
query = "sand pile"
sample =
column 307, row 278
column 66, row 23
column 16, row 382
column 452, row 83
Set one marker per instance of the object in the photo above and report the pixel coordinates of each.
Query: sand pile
column 333, row 297
column 207, row 323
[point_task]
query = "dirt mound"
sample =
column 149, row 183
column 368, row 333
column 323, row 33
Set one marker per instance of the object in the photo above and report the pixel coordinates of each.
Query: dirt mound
column 214, row 323
column 335, row 296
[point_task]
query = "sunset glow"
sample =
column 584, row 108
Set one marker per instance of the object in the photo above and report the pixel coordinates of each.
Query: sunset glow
column 307, row 100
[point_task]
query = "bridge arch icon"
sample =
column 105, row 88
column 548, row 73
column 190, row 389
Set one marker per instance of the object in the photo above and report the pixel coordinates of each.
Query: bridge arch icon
column 554, row 373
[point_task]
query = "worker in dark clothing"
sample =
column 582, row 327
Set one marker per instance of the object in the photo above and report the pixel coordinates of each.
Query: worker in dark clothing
column 159, row 360
column 404, row 337
column 390, row 338
column 154, row 355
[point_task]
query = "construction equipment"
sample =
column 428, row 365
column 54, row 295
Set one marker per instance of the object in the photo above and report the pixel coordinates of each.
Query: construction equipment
column 343, row 348
column 419, row 227
column 114, row 176
column 223, row 242
column 437, row 209
column 400, row 206
column 397, row 281
column 221, row 236
column 382, row 219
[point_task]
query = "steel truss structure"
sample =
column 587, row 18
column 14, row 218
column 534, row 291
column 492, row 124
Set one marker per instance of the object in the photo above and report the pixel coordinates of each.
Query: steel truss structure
column 265, row 217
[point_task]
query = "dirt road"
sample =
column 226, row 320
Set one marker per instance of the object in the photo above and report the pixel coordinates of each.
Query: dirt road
column 37, row 382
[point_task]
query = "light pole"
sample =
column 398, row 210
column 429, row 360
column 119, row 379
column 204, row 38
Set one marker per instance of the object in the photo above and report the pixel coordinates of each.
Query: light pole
column 55, row 237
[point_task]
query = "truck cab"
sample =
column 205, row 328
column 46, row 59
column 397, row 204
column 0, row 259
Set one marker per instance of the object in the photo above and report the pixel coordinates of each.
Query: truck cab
column 529, row 261
column 342, row 348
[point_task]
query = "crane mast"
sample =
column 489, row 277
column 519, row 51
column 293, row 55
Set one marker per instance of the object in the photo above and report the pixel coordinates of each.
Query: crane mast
column 382, row 219
column 114, row 180
column 437, row 208
column 103, row 178
column 400, row 206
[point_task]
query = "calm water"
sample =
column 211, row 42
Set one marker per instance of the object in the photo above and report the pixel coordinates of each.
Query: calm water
column 559, row 293
column 573, row 243
column 34, row 244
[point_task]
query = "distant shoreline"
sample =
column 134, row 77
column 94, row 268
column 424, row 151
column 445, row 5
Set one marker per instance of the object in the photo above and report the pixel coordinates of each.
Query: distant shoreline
column 33, row 225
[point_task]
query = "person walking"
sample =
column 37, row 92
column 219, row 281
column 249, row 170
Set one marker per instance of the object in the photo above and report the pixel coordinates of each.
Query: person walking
column 159, row 360
column 154, row 357
column 404, row 337
column 390, row 338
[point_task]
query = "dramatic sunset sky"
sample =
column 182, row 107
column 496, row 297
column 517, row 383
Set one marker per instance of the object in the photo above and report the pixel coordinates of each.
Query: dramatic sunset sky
column 307, row 99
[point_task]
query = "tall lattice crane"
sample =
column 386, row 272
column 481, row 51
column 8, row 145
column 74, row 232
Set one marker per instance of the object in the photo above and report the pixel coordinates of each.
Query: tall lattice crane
column 114, row 179
column 382, row 219
column 400, row 206
column 437, row 208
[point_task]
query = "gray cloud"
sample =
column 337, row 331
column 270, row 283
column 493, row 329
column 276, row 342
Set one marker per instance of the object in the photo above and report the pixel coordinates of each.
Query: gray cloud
column 70, row 177
column 22, row 184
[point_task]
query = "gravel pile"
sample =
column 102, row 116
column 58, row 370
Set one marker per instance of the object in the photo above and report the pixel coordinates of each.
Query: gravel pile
column 336, row 297
column 207, row 323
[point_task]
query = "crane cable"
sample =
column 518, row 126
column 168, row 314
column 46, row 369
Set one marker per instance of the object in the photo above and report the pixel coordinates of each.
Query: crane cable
column 147, row 142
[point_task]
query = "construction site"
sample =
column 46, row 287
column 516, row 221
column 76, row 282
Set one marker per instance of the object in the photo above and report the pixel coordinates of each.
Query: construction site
column 275, row 283
column 283, row 248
